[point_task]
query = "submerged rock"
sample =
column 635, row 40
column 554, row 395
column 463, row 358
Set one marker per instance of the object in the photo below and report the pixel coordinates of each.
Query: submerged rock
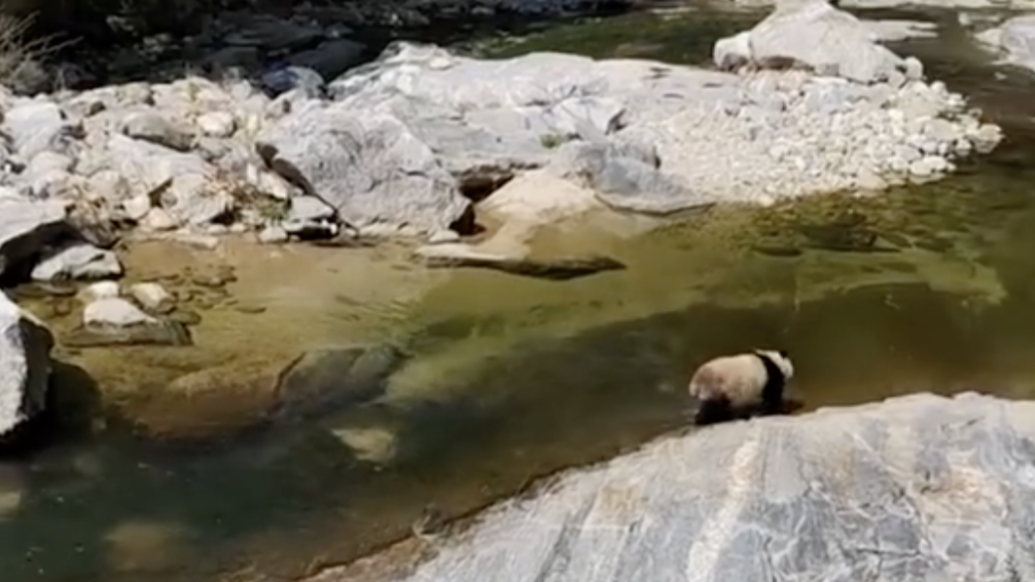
column 835, row 237
column 915, row 488
column 453, row 255
column 324, row 380
column 25, row 366
column 263, row 391
column 145, row 547
column 375, row 445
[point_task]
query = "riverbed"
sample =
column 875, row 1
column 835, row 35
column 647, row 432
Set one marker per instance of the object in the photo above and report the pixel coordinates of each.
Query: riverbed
column 513, row 378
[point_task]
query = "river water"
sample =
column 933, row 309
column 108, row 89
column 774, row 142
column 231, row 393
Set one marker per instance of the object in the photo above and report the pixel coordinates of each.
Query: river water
column 517, row 378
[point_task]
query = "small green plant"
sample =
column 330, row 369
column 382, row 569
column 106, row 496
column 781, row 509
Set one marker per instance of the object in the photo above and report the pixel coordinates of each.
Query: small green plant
column 271, row 209
column 552, row 140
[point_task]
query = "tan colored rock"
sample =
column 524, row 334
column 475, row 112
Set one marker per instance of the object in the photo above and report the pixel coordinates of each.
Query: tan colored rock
column 213, row 401
column 538, row 197
column 145, row 546
column 372, row 444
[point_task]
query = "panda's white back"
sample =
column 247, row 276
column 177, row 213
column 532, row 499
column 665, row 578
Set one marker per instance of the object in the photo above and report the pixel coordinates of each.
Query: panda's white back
column 740, row 378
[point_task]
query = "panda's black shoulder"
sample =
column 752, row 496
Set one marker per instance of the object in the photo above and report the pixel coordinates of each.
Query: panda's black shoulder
column 772, row 371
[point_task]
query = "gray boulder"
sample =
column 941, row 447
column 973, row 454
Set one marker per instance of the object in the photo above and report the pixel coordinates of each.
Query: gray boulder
column 1014, row 41
column 487, row 119
column 626, row 176
column 1018, row 39
column 369, row 166
column 303, row 79
column 912, row 489
column 153, row 127
column 26, row 225
column 331, row 58
column 39, row 125
column 813, row 35
column 25, row 365
column 78, row 261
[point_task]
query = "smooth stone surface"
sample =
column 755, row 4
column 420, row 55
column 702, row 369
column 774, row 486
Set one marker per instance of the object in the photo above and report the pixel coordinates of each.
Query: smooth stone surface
column 912, row 489
column 25, row 365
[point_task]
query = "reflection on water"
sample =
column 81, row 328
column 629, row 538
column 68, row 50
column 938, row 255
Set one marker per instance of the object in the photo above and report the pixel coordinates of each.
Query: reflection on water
column 943, row 300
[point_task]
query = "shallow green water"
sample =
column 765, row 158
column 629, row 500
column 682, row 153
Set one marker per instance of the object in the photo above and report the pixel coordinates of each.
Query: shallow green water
column 950, row 306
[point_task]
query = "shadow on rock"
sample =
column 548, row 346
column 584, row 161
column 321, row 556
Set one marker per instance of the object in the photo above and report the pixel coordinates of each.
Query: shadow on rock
column 72, row 404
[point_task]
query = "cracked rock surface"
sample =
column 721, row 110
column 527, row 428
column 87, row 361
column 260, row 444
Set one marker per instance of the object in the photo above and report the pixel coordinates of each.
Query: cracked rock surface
column 916, row 488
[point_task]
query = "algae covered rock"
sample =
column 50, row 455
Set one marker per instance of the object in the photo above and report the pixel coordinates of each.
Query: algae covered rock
column 260, row 391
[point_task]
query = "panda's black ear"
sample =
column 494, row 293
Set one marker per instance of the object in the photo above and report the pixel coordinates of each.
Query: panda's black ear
column 783, row 353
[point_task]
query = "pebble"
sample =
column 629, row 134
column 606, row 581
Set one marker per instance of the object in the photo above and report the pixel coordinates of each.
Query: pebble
column 209, row 280
column 99, row 290
column 152, row 296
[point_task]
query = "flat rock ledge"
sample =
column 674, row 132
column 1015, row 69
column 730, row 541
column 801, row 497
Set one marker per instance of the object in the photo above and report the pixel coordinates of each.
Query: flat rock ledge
column 914, row 488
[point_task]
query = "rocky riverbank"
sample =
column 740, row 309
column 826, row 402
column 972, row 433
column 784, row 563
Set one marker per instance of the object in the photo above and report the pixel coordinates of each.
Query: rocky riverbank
column 903, row 489
column 468, row 157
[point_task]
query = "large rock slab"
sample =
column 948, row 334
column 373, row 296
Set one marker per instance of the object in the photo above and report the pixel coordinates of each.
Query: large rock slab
column 26, row 226
column 485, row 119
column 24, row 366
column 1013, row 41
column 814, row 35
column 915, row 488
column 369, row 166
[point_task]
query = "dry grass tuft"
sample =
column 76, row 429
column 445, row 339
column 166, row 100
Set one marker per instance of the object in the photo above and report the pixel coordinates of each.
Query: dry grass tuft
column 21, row 56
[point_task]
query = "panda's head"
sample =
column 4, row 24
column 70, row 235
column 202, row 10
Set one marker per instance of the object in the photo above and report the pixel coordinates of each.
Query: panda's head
column 782, row 361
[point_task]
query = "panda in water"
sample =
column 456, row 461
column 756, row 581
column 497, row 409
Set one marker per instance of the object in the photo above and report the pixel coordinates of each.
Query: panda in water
column 733, row 386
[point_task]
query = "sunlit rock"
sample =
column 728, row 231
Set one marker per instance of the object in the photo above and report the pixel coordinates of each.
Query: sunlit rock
column 917, row 488
column 25, row 365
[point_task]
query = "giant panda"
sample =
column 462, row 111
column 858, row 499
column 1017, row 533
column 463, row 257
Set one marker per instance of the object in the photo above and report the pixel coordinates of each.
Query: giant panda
column 733, row 386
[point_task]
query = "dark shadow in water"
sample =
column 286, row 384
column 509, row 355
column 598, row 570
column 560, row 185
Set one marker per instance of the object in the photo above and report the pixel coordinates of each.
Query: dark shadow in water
column 72, row 403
